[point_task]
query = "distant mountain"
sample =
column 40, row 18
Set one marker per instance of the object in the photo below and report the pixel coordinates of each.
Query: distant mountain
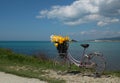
column 112, row 38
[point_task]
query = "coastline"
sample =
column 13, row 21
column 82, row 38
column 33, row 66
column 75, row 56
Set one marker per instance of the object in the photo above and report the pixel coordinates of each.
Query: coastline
column 43, row 69
column 104, row 40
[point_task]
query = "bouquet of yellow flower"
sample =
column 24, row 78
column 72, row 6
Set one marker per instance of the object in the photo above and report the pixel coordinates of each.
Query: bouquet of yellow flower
column 57, row 39
column 61, row 43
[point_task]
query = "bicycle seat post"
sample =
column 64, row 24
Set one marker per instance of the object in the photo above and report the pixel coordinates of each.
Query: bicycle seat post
column 83, row 52
column 85, row 46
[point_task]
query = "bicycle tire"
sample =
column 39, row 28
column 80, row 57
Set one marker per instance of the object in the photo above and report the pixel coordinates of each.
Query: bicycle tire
column 99, row 61
column 61, row 62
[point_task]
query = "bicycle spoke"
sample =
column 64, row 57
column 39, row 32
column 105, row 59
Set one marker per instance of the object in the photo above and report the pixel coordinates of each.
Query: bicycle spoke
column 100, row 63
column 61, row 62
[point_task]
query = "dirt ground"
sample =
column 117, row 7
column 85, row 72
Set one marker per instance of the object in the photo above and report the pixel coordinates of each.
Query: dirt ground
column 9, row 78
column 77, row 77
column 69, row 77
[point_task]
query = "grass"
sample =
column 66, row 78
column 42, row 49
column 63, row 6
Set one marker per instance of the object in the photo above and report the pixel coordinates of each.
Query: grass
column 26, row 66
column 113, row 73
column 34, row 66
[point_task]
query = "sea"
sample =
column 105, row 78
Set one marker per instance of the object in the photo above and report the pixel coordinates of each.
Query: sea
column 110, row 50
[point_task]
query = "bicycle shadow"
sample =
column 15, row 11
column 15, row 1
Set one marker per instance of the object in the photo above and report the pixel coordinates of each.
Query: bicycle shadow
column 69, row 72
column 79, row 73
column 73, row 72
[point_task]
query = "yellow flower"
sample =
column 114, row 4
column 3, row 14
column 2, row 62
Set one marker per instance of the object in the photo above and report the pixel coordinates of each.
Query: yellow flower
column 59, row 39
column 56, row 44
column 66, row 38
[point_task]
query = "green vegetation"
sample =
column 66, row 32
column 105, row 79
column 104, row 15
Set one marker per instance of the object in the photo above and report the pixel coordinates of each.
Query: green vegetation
column 35, row 66
column 113, row 73
column 27, row 66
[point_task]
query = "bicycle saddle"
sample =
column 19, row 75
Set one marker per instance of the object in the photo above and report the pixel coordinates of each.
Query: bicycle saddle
column 85, row 45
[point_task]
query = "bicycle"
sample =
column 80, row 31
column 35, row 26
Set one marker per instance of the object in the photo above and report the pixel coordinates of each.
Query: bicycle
column 93, row 60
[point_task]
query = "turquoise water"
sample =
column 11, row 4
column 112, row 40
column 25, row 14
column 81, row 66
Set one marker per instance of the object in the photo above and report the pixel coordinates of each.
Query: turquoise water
column 110, row 50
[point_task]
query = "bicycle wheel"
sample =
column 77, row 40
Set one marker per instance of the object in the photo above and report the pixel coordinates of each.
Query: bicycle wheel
column 61, row 63
column 99, row 61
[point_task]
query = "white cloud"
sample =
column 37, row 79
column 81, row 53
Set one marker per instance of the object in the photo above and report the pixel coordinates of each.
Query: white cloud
column 91, row 32
column 98, row 34
column 109, row 8
column 83, row 32
column 101, row 23
column 107, row 21
column 103, row 12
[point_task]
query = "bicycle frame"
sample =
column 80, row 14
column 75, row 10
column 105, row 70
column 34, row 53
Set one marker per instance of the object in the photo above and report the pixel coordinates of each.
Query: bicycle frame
column 87, row 60
column 80, row 63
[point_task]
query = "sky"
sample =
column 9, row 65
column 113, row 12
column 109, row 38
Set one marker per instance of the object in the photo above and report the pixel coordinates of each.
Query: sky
column 37, row 20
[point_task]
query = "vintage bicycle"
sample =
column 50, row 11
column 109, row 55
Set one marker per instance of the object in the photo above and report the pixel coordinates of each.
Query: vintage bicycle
column 94, row 60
